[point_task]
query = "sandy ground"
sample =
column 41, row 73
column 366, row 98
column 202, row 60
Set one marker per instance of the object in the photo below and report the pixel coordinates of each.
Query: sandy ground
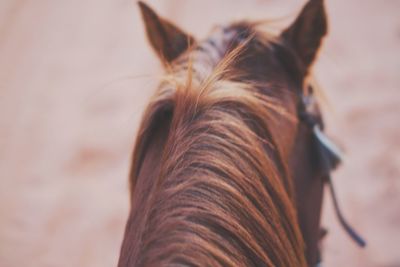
column 75, row 76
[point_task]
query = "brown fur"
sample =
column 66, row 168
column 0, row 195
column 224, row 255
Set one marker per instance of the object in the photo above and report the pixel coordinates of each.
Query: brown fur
column 211, row 183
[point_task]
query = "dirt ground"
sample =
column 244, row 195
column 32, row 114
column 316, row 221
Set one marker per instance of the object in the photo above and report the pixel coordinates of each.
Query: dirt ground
column 74, row 79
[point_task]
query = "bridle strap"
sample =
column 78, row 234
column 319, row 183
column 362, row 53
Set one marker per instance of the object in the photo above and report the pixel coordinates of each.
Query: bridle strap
column 330, row 157
column 350, row 230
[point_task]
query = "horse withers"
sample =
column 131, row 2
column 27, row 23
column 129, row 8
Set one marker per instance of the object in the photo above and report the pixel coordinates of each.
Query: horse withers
column 225, row 170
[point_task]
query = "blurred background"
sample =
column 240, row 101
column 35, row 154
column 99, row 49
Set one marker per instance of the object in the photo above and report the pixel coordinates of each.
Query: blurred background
column 76, row 75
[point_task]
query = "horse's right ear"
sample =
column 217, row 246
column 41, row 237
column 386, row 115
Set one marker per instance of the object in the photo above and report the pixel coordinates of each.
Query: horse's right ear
column 167, row 39
column 306, row 32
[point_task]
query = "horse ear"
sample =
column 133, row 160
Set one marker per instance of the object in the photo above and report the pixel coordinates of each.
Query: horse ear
column 167, row 40
column 306, row 32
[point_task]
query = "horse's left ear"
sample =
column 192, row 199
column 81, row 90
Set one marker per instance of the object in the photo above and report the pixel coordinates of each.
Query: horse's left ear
column 167, row 39
column 306, row 32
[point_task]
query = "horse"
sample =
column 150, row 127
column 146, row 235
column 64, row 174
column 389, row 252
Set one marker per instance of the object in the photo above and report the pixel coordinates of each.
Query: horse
column 226, row 169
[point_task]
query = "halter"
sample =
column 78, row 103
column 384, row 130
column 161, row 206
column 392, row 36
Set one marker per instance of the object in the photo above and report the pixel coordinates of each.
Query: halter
column 329, row 154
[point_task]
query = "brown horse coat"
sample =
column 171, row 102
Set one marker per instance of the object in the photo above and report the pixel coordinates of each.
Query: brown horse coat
column 223, row 172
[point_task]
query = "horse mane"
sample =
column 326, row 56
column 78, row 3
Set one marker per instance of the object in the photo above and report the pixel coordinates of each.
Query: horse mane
column 222, row 195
